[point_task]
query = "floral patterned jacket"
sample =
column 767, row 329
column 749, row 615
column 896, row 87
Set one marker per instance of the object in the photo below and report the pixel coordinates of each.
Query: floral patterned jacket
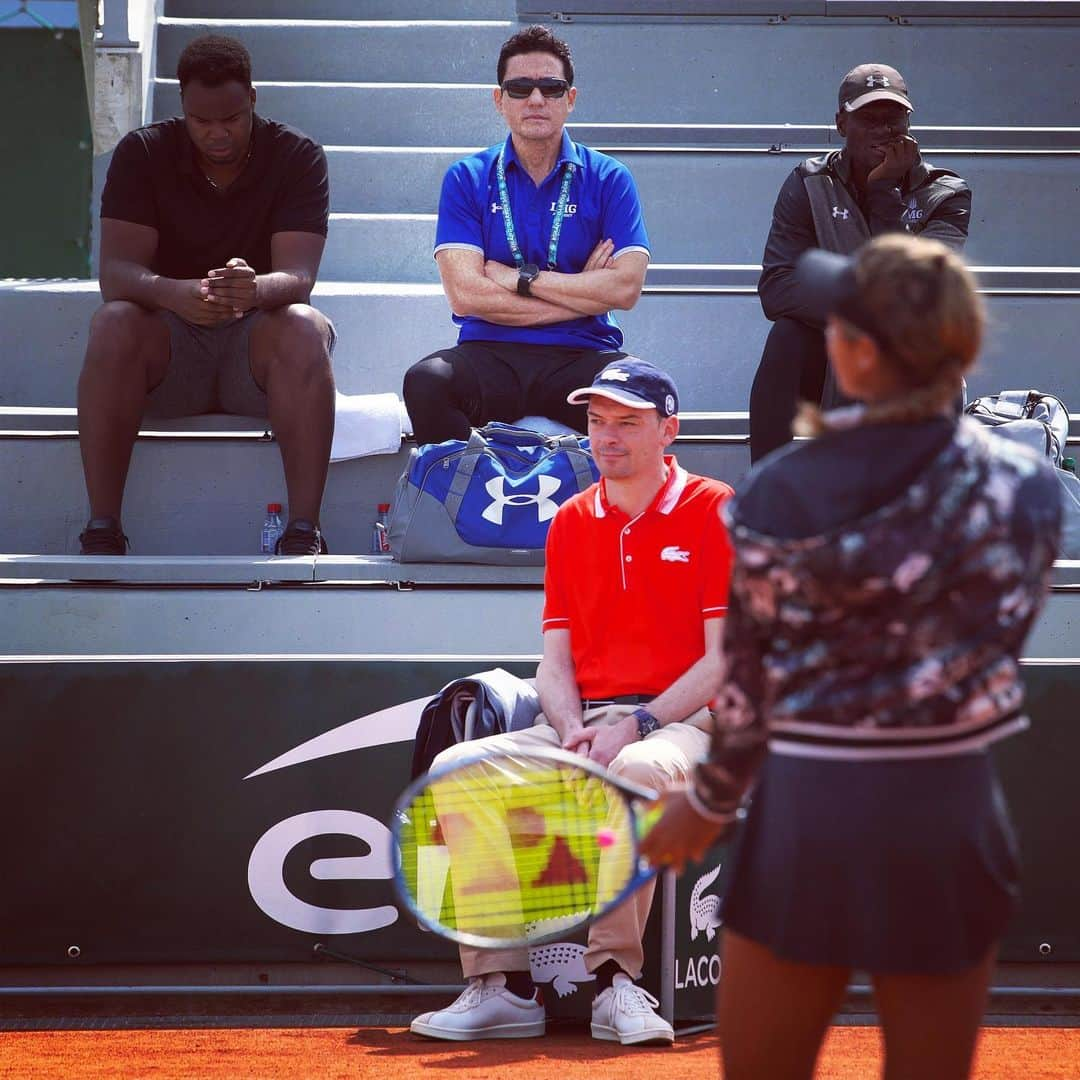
column 894, row 635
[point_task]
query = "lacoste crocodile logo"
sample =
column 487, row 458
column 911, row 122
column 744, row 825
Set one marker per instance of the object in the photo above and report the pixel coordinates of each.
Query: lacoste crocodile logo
column 674, row 553
column 562, row 963
column 705, row 910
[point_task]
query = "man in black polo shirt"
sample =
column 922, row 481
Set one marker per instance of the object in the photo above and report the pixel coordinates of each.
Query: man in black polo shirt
column 212, row 228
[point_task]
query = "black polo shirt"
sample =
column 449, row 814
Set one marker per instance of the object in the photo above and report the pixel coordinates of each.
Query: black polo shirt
column 154, row 179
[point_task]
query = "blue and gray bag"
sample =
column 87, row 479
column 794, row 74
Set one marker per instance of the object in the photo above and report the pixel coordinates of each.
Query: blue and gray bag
column 488, row 500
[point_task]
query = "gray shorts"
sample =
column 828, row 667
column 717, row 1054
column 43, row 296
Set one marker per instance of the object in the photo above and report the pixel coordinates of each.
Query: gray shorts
column 210, row 370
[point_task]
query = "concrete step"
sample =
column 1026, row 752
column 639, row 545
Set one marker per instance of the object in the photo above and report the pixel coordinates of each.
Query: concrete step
column 244, row 10
column 267, row 569
column 207, row 496
column 710, row 340
column 388, row 180
column 909, row 10
column 183, row 497
column 700, row 73
column 700, row 207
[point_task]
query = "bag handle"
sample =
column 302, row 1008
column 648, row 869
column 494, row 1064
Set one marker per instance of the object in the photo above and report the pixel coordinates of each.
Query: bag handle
column 579, row 460
column 466, row 466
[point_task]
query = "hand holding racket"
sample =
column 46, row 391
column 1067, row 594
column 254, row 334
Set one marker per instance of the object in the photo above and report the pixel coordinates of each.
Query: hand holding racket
column 518, row 849
column 680, row 834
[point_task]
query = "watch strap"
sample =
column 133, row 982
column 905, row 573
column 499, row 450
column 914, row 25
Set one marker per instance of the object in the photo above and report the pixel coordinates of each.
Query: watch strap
column 646, row 722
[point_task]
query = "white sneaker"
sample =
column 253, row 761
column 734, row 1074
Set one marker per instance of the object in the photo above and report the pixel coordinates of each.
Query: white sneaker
column 624, row 1013
column 485, row 1009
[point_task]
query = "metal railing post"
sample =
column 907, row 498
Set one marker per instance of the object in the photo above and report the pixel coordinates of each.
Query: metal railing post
column 114, row 26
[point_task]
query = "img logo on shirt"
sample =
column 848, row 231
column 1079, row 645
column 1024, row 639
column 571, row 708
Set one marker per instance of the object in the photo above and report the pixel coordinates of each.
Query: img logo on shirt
column 912, row 213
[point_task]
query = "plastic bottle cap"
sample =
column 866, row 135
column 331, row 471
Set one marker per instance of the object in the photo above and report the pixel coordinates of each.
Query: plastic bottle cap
column 273, row 508
column 384, row 508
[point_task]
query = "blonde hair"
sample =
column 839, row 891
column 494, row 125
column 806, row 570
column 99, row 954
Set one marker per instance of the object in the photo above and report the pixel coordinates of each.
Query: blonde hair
column 929, row 319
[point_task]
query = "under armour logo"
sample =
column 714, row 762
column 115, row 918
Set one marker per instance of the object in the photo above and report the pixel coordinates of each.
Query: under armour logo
column 495, row 208
column 674, row 553
column 545, row 505
column 843, row 215
column 876, row 80
column 615, row 375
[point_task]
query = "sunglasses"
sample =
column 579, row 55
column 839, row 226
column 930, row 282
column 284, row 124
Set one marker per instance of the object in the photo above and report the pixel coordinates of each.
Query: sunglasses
column 522, row 88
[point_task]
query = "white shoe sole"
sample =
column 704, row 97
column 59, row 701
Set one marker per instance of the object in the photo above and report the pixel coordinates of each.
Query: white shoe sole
column 531, row 1030
column 639, row 1038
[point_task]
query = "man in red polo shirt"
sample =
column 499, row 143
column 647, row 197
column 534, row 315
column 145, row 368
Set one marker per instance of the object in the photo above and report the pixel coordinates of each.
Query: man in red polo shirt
column 636, row 586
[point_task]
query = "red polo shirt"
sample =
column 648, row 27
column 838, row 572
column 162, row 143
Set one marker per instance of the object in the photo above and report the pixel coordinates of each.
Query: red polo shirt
column 635, row 592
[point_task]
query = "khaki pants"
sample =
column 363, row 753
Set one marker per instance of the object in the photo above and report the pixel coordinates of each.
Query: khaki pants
column 661, row 759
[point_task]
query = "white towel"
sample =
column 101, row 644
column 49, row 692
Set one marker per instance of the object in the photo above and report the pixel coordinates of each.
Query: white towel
column 367, row 424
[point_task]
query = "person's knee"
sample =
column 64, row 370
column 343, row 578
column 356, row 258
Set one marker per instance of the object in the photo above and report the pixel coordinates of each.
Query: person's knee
column 635, row 765
column 299, row 340
column 119, row 332
column 301, row 330
column 427, row 380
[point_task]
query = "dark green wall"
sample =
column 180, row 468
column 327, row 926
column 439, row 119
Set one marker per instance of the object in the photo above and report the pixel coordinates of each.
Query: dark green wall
column 46, row 160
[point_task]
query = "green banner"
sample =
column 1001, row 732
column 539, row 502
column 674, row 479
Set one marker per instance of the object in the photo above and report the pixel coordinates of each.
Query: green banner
column 45, row 191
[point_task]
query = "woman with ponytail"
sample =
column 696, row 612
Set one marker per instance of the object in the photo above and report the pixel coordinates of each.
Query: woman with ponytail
column 887, row 572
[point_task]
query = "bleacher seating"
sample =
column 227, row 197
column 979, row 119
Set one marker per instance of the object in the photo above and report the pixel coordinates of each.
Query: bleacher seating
column 710, row 105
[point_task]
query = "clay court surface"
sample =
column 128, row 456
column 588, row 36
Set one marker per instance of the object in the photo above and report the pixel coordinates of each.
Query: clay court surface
column 851, row 1053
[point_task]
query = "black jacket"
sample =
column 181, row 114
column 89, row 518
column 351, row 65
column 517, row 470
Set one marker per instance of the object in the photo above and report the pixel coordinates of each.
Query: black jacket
column 885, row 207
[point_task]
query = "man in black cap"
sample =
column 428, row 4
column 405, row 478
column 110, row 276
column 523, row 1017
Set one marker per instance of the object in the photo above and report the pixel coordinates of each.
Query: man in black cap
column 877, row 183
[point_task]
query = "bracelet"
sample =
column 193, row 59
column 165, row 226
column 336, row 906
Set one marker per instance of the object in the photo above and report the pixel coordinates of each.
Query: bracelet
column 706, row 812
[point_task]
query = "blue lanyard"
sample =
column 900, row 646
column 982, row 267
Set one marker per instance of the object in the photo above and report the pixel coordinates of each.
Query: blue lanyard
column 556, row 224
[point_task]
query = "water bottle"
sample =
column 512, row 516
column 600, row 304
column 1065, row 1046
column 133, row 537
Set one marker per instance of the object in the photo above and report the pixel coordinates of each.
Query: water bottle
column 272, row 529
column 380, row 531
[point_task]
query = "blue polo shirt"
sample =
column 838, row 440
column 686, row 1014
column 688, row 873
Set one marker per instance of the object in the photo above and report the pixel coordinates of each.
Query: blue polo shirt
column 603, row 203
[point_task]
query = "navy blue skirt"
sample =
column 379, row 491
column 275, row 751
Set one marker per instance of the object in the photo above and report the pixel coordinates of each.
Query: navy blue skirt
column 885, row 866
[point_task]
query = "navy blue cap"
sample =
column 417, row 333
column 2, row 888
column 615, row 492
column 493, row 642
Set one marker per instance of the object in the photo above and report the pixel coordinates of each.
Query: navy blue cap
column 634, row 382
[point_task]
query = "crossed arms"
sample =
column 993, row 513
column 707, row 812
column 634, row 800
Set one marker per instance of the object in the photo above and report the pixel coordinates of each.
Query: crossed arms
column 488, row 289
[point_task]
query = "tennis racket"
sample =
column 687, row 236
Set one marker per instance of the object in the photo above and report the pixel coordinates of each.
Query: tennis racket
column 518, row 849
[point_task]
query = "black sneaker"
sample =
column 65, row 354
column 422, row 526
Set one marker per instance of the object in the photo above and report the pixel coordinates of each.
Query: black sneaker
column 301, row 537
column 103, row 536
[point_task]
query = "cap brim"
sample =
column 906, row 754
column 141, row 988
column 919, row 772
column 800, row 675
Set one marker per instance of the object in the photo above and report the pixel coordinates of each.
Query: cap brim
column 580, row 397
column 825, row 280
column 878, row 95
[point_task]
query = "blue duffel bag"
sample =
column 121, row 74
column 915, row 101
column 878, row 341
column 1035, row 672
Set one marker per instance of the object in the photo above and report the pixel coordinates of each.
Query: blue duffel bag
column 488, row 500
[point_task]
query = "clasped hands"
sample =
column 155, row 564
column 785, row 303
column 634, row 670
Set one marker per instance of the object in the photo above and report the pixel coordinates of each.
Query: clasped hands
column 226, row 293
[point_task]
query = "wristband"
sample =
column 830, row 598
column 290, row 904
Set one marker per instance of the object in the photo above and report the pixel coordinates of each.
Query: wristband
column 703, row 811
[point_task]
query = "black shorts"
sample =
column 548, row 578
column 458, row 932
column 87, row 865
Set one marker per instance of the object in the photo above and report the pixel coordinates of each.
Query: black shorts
column 501, row 380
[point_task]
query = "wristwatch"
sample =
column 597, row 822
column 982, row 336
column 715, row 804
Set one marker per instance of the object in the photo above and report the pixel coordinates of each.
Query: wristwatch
column 646, row 722
column 527, row 274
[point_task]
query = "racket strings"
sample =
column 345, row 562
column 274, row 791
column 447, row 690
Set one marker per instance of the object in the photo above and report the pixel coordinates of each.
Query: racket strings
column 509, row 849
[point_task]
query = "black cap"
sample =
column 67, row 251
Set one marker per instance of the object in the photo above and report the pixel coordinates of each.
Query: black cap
column 634, row 382
column 873, row 82
column 827, row 286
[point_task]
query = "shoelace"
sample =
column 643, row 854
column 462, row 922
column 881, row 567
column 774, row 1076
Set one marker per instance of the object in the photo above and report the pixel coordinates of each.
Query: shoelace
column 629, row 998
column 472, row 995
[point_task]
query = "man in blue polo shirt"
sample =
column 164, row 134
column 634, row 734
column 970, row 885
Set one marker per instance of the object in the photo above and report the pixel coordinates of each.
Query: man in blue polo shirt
column 538, row 240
